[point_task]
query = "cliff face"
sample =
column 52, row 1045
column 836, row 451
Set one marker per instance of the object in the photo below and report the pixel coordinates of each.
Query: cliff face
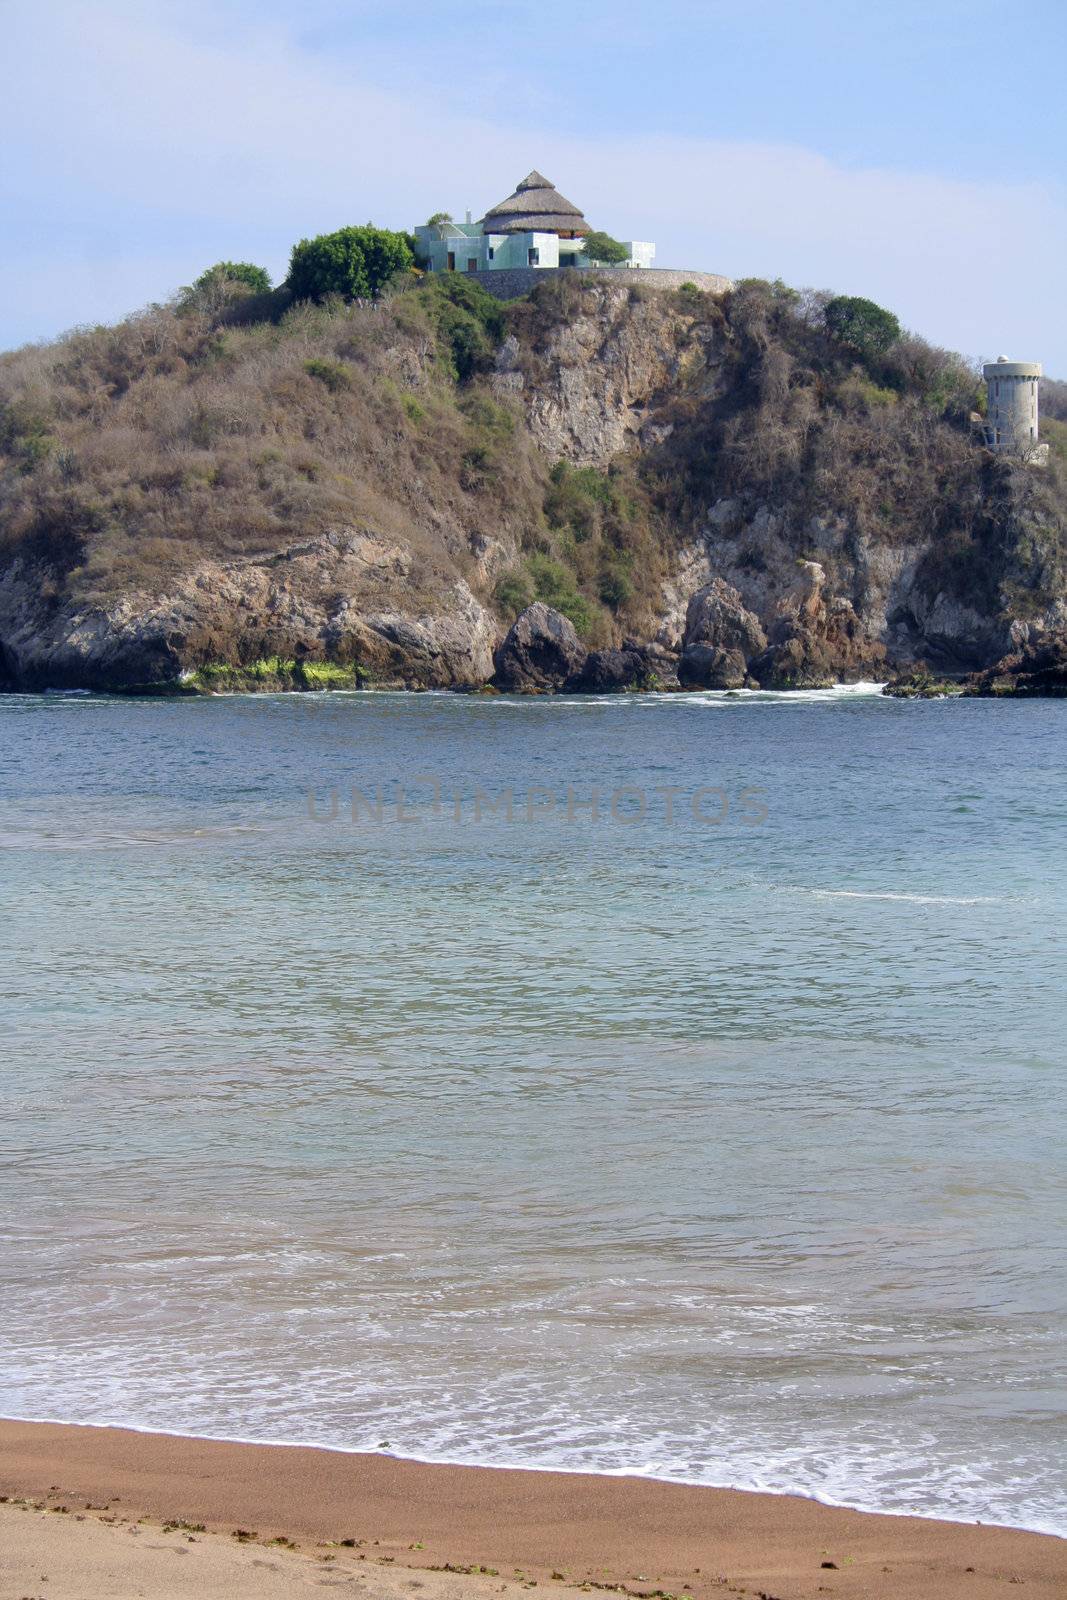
column 391, row 487
column 859, row 524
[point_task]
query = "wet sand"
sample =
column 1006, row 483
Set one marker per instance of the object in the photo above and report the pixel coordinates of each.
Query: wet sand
column 557, row 1531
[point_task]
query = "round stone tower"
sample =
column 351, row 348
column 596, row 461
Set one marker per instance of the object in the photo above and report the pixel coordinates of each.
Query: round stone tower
column 1011, row 421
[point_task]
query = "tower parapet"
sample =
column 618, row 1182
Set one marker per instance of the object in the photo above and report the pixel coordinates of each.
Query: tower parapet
column 1012, row 417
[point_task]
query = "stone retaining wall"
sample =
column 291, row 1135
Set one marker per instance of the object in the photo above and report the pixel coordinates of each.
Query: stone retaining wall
column 510, row 283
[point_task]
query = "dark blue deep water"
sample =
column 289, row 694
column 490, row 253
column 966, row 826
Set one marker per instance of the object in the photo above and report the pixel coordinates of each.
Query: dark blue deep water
column 717, row 1136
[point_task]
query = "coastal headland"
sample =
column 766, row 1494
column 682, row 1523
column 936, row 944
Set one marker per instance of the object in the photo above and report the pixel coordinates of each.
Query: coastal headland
column 616, row 481
column 254, row 1519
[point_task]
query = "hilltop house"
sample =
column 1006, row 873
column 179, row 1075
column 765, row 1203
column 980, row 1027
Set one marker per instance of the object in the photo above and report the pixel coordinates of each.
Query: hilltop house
column 534, row 227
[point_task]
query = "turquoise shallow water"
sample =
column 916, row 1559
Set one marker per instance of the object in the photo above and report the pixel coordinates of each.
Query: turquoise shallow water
column 730, row 1151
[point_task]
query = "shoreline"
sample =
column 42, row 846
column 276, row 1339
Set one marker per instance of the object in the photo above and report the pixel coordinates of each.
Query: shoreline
column 631, row 1534
column 633, row 1474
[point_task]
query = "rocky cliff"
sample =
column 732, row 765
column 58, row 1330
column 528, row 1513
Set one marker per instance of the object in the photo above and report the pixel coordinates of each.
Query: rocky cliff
column 685, row 489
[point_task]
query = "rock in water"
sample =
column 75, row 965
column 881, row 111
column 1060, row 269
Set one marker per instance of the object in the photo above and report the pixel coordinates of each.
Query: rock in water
column 702, row 666
column 1038, row 669
column 611, row 671
column 540, row 652
column 721, row 637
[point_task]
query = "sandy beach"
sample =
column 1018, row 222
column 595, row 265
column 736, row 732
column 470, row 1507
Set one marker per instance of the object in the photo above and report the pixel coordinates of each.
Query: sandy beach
column 266, row 1520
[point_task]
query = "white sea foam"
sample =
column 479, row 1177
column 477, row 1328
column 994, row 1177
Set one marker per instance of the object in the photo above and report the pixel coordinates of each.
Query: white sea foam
column 756, row 697
column 911, row 899
column 904, row 897
column 854, row 1484
column 694, row 698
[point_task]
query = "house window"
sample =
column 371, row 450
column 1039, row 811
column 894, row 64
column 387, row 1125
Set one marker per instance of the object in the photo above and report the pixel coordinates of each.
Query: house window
column 472, row 263
column 533, row 256
column 492, row 252
column 451, row 261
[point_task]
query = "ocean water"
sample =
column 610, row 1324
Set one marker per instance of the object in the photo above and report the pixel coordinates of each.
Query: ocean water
column 717, row 1136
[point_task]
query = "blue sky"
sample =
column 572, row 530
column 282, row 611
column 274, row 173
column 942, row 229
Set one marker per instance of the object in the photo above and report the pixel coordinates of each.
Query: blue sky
column 912, row 152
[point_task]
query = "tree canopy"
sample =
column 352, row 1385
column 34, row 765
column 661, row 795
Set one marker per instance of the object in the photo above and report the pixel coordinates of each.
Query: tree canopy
column 255, row 278
column 218, row 284
column 438, row 216
column 602, row 247
column 867, row 327
column 354, row 262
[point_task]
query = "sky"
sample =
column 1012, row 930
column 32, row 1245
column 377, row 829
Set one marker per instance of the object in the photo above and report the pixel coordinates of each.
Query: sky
column 911, row 151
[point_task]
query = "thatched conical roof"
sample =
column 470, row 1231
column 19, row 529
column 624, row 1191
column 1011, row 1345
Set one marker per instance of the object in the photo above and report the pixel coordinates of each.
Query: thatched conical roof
column 535, row 207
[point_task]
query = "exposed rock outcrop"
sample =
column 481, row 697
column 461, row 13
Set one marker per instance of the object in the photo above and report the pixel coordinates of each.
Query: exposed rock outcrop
column 597, row 375
column 721, row 637
column 540, row 652
column 919, row 683
column 611, row 671
column 703, row 666
column 815, row 641
column 1038, row 669
column 322, row 599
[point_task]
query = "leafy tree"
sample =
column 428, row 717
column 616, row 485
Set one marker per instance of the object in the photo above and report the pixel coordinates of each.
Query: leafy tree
column 255, row 278
column 439, row 216
column 354, row 262
column 602, row 247
column 220, row 286
column 867, row 327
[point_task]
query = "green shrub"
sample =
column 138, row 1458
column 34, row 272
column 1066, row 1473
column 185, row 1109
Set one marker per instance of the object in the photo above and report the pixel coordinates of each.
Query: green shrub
column 858, row 394
column 488, row 417
column 615, row 588
column 574, row 498
column 25, row 434
column 479, row 465
column 778, row 292
column 554, row 585
column 468, row 321
column 333, row 374
column 355, row 263
column 513, row 593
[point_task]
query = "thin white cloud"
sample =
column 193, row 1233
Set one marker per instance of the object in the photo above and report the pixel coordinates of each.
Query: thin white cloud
column 184, row 143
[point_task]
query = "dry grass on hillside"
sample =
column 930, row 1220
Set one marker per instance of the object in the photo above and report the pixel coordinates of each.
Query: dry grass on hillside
column 128, row 452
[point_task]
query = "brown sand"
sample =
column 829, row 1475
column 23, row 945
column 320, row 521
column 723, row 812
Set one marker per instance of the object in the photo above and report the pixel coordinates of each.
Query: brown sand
column 530, row 1526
